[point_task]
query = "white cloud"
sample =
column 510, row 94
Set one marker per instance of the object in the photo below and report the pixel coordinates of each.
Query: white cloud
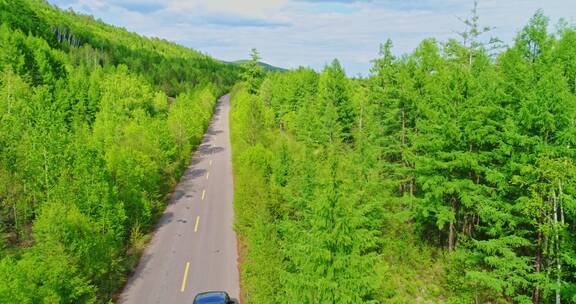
column 252, row 8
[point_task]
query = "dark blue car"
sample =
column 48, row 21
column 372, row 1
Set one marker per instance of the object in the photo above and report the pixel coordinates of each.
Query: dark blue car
column 213, row 297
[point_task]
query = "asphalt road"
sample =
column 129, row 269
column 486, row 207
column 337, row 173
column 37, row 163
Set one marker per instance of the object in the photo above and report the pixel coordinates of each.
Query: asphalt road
column 194, row 246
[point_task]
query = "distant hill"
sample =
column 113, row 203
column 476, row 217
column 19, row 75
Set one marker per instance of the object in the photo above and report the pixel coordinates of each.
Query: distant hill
column 166, row 65
column 267, row 67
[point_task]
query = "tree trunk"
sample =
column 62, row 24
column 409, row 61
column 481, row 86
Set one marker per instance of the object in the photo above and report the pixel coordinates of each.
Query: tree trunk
column 557, row 247
column 451, row 237
column 560, row 201
column 361, row 120
column 16, row 218
column 46, row 174
column 537, row 267
column 403, row 127
column 452, row 228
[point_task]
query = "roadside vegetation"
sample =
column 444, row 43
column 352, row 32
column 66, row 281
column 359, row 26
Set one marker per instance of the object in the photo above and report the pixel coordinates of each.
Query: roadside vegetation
column 447, row 176
column 96, row 126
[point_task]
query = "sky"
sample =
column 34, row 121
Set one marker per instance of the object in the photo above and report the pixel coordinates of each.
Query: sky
column 292, row 33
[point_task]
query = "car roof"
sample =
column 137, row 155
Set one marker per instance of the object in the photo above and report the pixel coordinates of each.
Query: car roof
column 211, row 297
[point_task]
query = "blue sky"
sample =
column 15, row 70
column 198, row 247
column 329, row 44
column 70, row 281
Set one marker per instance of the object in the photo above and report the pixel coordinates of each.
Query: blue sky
column 290, row 33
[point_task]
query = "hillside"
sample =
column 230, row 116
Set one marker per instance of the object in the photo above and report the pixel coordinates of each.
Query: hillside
column 265, row 66
column 167, row 65
column 89, row 147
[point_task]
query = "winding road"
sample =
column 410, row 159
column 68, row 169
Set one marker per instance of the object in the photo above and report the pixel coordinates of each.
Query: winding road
column 194, row 246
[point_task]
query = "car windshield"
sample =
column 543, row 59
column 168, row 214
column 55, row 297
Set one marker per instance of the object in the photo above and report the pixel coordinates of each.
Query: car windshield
column 211, row 298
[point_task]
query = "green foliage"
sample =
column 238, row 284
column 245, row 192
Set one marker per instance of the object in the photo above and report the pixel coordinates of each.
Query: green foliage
column 44, row 275
column 307, row 226
column 446, row 176
column 253, row 72
column 469, row 137
column 90, row 143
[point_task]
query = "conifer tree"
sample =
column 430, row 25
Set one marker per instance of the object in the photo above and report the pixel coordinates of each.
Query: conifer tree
column 253, row 72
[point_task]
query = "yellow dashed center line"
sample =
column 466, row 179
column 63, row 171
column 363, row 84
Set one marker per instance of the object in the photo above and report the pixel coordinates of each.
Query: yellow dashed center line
column 185, row 277
column 196, row 226
column 203, row 194
column 207, row 174
column 210, row 163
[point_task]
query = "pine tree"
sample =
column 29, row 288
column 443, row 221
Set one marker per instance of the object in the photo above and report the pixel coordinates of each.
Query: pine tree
column 253, row 72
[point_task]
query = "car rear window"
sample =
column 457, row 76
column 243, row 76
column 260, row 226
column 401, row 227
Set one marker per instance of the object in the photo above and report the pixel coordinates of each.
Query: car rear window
column 213, row 298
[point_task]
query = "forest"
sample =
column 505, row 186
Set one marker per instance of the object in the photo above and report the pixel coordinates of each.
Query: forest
column 96, row 126
column 446, row 176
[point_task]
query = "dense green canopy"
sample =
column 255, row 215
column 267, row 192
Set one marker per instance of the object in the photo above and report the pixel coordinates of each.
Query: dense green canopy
column 96, row 126
column 446, row 176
